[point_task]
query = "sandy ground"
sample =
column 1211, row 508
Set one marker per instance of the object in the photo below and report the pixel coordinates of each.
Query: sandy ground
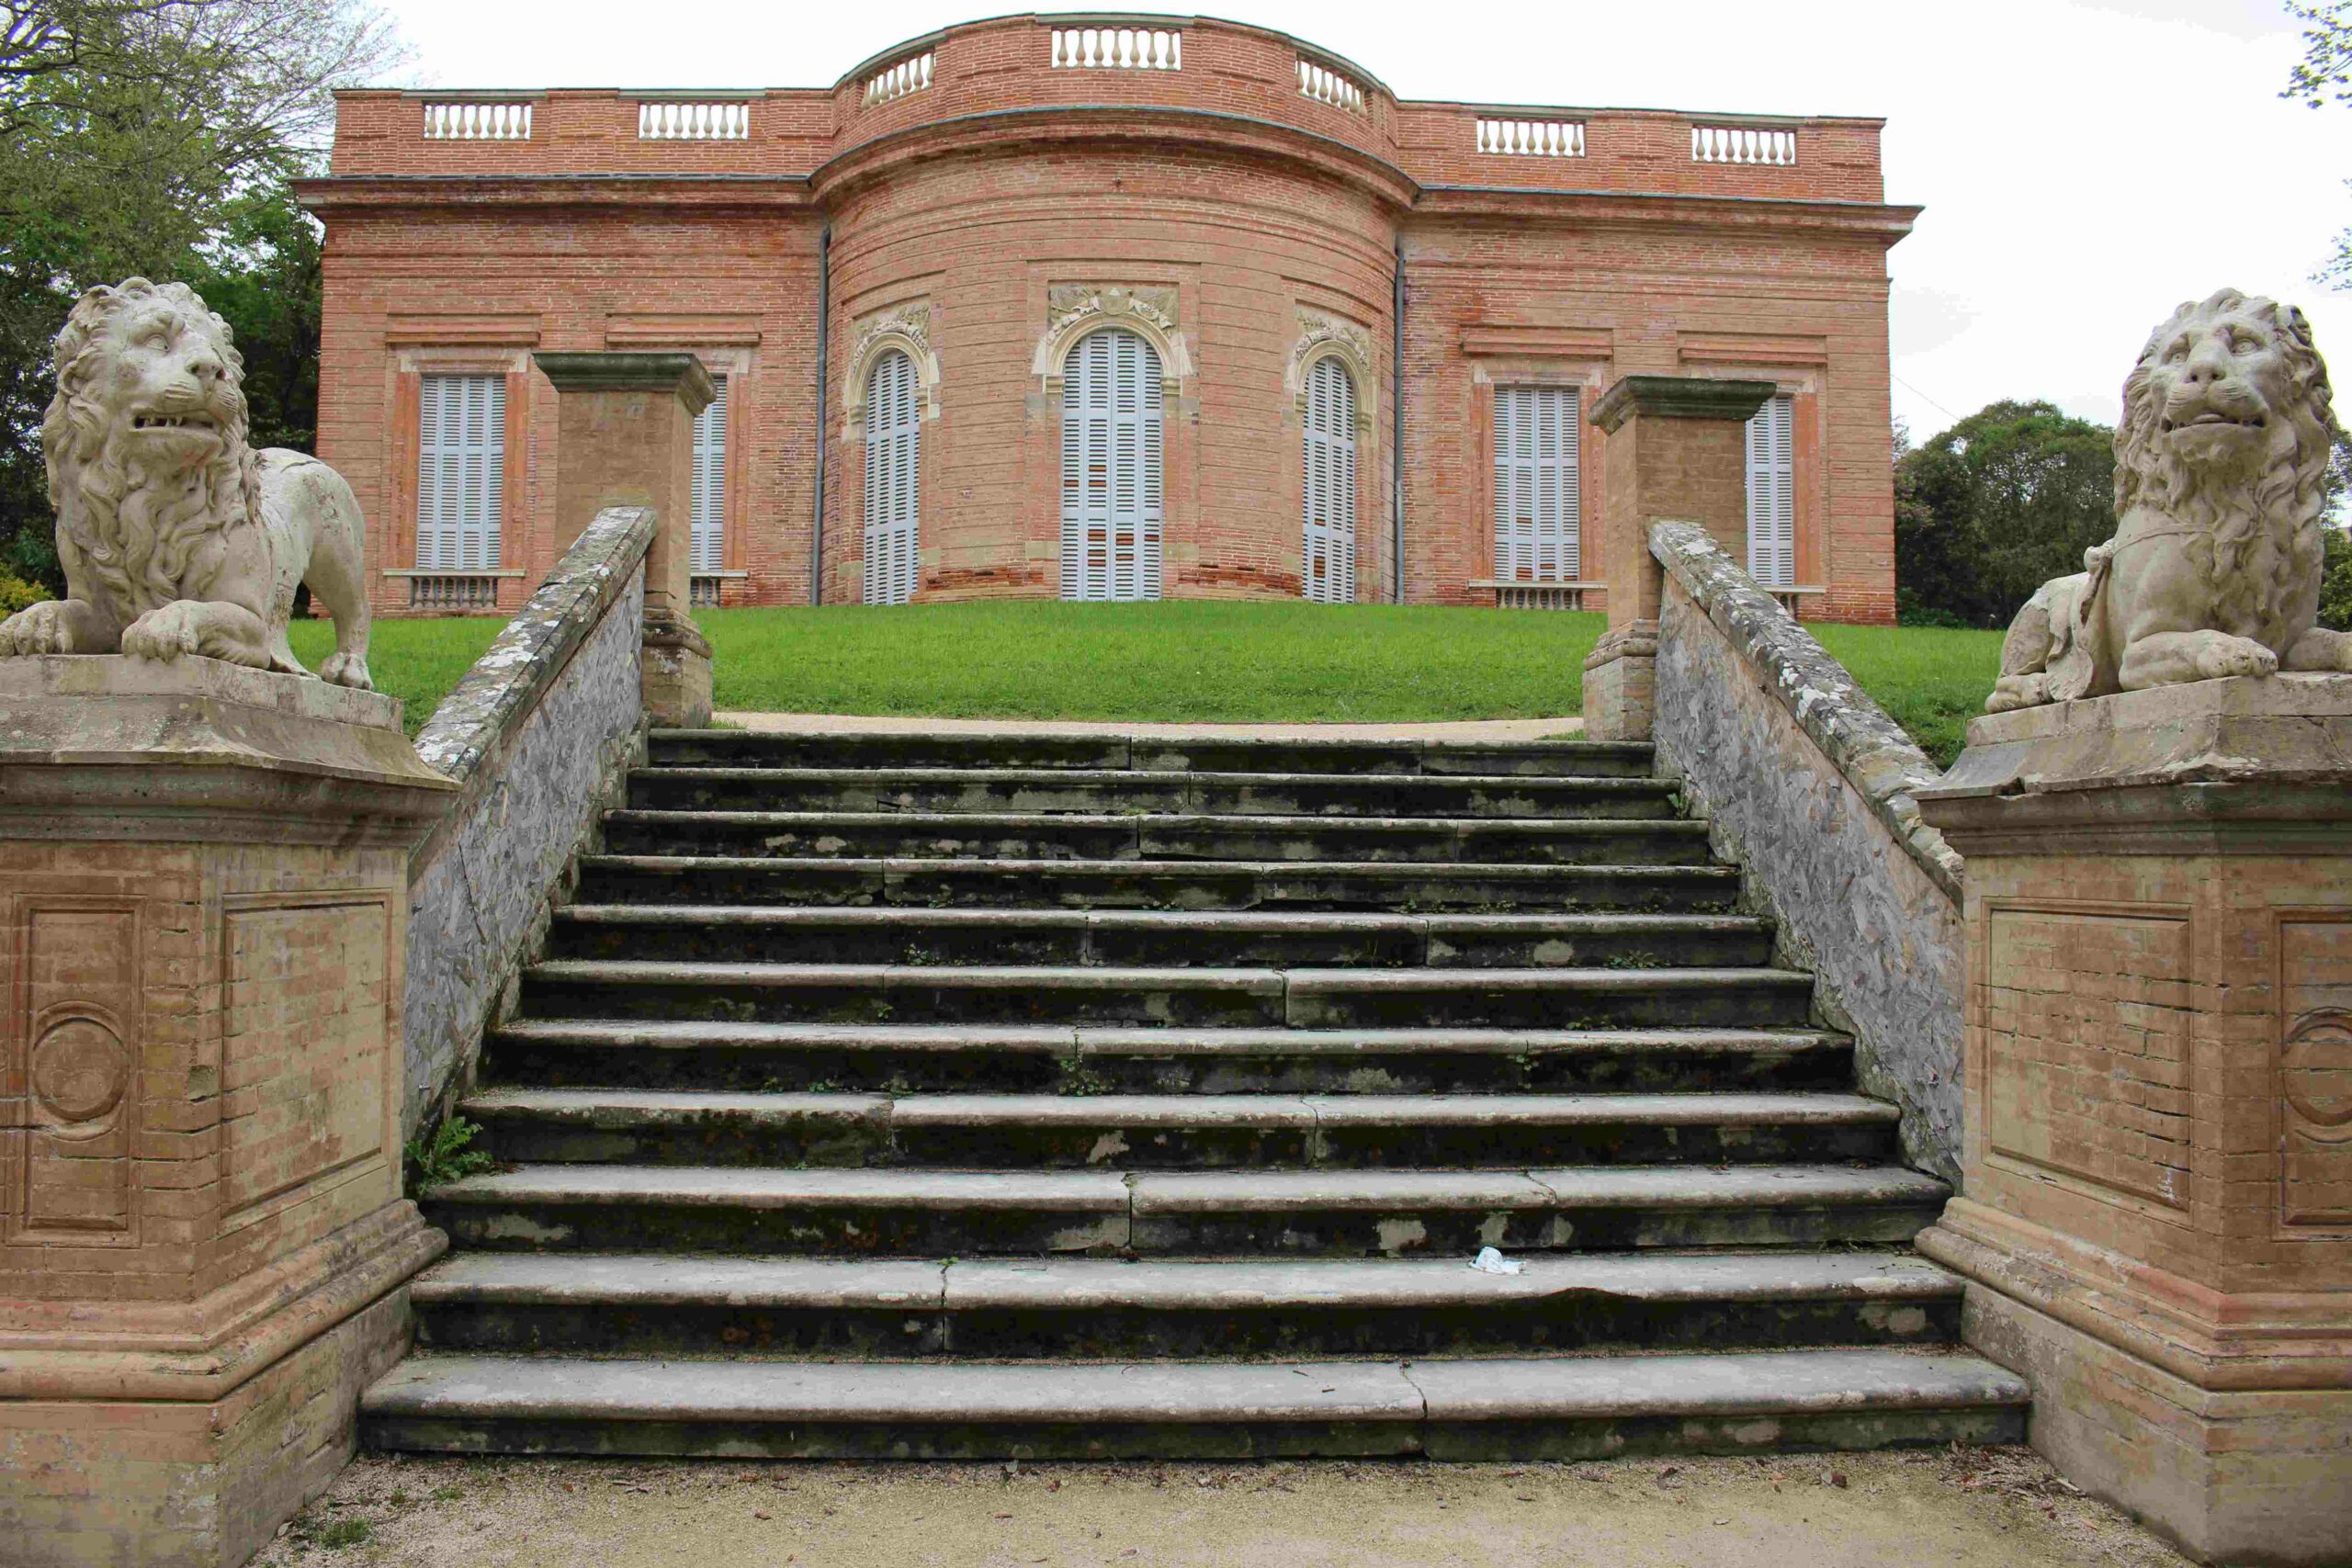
column 1971, row 1508
column 852, row 723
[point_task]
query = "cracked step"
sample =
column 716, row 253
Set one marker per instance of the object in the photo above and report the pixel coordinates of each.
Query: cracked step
column 603, row 1208
column 654, row 1303
column 1148, row 836
column 1186, row 884
column 851, row 934
column 1174, row 1132
column 1520, row 1408
column 1302, row 998
column 668, row 1053
column 947, row 749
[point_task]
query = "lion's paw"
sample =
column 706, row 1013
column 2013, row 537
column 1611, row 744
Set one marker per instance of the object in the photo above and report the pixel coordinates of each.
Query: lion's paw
column 2227, row 656
column 44, row 628
column 347, row 670
column 164, row 634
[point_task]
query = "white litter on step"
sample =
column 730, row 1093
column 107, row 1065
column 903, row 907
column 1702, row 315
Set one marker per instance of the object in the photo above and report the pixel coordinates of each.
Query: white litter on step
column 1489, row 1261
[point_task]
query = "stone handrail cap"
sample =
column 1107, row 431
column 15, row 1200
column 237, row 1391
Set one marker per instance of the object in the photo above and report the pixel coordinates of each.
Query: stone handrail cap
column 1679, row 397
column 629, row 371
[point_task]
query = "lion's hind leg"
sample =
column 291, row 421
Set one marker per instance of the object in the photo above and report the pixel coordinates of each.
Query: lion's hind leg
column 2321, row 649
column 338, row 578
column 2034, row 637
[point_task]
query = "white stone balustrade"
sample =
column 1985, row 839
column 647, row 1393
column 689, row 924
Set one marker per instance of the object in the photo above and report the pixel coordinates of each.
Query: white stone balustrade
column 898, row 78
column 468, row 120
column 1326, row 85
column 1532, row 138
column 679, row 120
column 1743, row 144
column 1119, row 49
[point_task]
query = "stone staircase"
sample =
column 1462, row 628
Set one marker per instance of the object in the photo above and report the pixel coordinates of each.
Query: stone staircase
column 922, row 1096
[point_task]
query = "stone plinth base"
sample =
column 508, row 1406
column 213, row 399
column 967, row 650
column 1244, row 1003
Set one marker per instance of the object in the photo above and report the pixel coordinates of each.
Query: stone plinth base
column 203, row 1245
column 676, row 674
column 1621, row 684
column 2157, row 1226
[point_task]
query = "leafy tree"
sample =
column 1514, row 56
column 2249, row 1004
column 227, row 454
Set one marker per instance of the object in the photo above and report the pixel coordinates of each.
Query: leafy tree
column 1994, row 507
column 2335, row 587
column 158, row 138
column 2324, row 76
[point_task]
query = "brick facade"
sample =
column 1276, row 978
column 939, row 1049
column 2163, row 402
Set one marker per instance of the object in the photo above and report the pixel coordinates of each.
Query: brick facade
column 986, row 217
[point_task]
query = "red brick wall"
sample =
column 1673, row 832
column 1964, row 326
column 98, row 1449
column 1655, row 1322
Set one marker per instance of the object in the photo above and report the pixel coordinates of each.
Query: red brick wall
column 1221, row 182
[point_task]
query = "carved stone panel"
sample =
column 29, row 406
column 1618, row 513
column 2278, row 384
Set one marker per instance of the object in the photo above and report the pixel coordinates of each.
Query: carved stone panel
column 304, row 1046
column 2315, row 1073
column 2088, row 1027
column 72, row 1071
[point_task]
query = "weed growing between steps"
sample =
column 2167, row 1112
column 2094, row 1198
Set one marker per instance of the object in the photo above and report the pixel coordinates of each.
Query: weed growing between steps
column 444, row 1154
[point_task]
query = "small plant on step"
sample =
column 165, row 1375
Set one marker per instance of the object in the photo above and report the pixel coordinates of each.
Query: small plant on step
column 443, row 1155
column 1078, row 1079
column 1639, row 958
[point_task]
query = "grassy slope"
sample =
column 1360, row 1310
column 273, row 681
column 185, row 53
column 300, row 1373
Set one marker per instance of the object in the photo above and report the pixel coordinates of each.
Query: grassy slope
column 1191, row 660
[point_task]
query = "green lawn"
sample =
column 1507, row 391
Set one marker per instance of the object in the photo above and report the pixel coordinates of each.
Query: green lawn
column 1191, row 660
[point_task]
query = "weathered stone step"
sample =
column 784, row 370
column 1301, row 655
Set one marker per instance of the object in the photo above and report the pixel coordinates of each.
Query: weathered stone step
column 1085, row 791
column 1298, row 998
column 978, row 835
column 885, row 934
column 1127, row 1132
column 1254, row 1213
column 1562, row 759
column 933, row 883
column 1558, row 1408
column 665, row 1053
column 652, row 1303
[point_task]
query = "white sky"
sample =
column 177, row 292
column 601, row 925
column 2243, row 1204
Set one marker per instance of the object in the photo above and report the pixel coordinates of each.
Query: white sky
column 2086, row 164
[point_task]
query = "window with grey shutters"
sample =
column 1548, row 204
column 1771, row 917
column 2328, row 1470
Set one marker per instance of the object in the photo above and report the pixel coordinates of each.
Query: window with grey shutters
column 461, row 472
column 1537, row 507
column 893, row 463
column 1773, row 494
column 709, row 543
column 1329, row 572
column 1110, row 467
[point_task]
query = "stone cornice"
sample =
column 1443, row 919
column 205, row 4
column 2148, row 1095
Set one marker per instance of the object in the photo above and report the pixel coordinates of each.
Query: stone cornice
column 347, row 195
column 1679, row 396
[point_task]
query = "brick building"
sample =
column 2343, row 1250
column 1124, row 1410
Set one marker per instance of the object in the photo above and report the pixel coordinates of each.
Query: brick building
column 1123, row 308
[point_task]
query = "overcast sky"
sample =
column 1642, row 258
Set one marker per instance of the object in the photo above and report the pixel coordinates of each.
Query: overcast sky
column 2084, row 165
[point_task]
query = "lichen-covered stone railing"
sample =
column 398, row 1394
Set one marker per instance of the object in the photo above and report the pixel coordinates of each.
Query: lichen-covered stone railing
column 539, row 735
column 1810, row 785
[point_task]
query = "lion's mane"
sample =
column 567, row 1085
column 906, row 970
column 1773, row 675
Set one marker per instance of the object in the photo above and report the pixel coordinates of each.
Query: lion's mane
column 2230, row 517
column 135, row 534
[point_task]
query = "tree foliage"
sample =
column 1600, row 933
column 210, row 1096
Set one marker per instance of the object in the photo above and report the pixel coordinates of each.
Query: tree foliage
column 1994, row 507
column 2321, row 77
column 159, row 138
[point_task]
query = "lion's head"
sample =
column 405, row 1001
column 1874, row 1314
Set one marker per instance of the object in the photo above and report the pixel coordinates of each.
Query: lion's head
column 2227, row 419
column 145, row 440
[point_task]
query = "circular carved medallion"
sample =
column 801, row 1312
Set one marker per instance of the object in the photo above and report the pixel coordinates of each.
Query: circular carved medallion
column 80, row 1070
column 2317, row 1067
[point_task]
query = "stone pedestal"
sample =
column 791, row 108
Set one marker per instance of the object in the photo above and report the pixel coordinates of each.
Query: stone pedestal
column 1676, row 451
column 625, row 437
column 2158, row 1219
column 203, row 1247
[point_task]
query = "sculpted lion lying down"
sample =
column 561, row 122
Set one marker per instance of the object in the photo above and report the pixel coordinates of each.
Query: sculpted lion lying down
column 2214, row 569
column 176, row 537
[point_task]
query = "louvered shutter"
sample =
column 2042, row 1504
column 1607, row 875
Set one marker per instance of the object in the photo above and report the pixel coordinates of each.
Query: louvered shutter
column 1773, row 494
column 1538, row 507
column 461, row 472
column 709, row 546
column 1329, row 572
column 1110, row 467
column 893, row 461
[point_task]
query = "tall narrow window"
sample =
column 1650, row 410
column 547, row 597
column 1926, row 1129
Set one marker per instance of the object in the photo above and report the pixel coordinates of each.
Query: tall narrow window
column 1111, row 479
column 709, row 543
column 1329, row 572
column 461, row 471
column 1773, row 494
column 1537, row 537
column 893, row 461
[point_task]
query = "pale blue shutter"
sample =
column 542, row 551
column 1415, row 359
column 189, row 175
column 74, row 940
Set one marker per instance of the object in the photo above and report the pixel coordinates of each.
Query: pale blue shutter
column 461, row 472
column 1773, row 494
column 1329, row 572
column 709, row 546
column 1537, row 484
column 1110, row 467
column 893, row 465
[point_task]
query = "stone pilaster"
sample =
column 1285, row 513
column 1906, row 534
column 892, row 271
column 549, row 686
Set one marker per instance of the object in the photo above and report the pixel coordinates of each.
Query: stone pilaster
column 2157, row 1213
column 625, row 437
column 1676, row 451
column 204, row 1250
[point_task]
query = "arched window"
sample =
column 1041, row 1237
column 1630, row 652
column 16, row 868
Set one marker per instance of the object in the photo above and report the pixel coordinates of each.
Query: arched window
column 893, row 461
column 1111, row 470
column 1328, row 575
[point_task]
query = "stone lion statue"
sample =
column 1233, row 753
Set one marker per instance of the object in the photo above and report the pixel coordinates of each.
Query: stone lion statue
column 2214, row 569
column 175, row 536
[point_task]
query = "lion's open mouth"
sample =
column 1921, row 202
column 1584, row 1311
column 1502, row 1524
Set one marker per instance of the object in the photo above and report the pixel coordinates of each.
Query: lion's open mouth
column 173, row 421
column 2214, row 419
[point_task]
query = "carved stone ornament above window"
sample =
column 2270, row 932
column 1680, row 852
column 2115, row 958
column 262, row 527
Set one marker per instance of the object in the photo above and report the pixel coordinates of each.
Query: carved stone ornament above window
column 1073, row 310
column 906, row 328
column 1322, row 335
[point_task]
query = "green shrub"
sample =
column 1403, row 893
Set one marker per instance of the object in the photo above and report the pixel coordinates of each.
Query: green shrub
column 443, row 1155
column 16, row 593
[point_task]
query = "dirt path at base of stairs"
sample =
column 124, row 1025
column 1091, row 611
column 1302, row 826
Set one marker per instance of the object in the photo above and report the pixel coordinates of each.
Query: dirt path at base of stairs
column 1965, row 1508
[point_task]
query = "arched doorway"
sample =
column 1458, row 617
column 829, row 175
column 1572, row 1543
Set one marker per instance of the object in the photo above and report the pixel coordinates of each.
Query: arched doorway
column 1110, row 467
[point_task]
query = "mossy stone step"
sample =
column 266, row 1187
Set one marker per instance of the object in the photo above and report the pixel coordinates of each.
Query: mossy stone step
column 1569, row 759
